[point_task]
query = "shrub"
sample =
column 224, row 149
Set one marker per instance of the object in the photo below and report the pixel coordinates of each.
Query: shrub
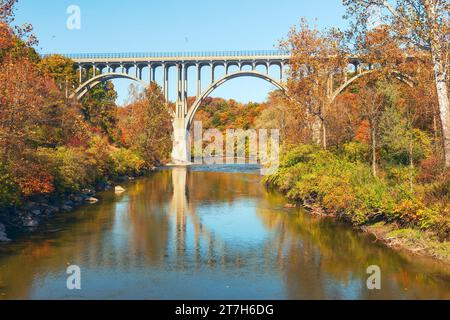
column 9, row 193
column 126, row 162
column 70, row 167
column 355, row 151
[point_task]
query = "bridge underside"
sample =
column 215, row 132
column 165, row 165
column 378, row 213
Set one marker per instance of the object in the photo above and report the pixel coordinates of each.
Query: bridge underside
column 247, row 65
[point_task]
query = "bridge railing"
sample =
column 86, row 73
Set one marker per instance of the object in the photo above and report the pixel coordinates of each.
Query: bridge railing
column 153, row 55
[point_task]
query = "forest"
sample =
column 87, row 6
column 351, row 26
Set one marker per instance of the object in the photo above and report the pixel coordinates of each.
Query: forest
column 55, row 150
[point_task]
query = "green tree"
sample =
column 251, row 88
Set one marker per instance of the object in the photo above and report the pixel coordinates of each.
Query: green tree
column 100, row 110
column 62, row 70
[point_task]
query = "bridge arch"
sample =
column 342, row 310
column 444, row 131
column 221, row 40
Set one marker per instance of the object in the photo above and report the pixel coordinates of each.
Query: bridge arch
column 84, row 88
column 196, row 105
column 398, row 75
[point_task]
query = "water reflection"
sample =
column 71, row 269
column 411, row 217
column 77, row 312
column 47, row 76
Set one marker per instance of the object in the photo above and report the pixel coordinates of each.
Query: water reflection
column 207, row 233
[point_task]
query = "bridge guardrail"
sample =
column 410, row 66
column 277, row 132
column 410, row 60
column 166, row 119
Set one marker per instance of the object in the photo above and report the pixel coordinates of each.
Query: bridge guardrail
column 152, row 55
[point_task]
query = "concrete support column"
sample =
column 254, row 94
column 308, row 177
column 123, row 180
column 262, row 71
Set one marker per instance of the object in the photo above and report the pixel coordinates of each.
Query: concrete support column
column 199, row 80
column 281, row 71
column 94, row 70
column 150, row 72
column 183, row 89
column 212, row 72
column 165, row 82
column 181, row 142
column 178, row 67
column 109, row 68
column 80, row 69
column 136, row 71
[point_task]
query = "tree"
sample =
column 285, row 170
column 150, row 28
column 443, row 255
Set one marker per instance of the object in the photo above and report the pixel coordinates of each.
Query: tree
column 17, row 41
column 372, row 102
column 423, row 24
column 100, row 110
column 62, row 70
column 147, row 126
column 317, row 59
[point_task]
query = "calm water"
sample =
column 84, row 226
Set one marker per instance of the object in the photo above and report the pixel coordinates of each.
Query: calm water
column 207, row 233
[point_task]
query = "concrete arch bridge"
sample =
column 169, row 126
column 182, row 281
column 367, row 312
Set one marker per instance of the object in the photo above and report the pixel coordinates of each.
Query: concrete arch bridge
column 97, row 68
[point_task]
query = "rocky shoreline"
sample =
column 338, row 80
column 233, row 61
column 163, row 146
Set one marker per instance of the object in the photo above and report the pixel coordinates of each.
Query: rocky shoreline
column 29, row 217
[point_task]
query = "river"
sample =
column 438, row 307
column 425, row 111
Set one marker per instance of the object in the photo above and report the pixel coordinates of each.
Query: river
column 209, row 232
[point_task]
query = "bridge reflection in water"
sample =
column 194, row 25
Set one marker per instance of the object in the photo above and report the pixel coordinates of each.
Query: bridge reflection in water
column 203, row 233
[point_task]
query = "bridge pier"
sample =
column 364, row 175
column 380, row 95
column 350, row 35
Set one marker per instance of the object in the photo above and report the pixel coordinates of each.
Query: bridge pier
column 181, row 153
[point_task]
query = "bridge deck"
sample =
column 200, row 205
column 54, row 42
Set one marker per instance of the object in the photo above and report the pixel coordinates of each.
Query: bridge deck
column 178, row 56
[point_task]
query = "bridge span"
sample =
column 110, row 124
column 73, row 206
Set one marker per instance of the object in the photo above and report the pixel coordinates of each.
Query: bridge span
column 94, row 68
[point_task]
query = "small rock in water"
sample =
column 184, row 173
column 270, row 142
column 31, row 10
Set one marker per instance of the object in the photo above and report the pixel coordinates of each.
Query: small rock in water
column 69, row 203
column 77, row 199
column 66, row 208
column 3, row 236
column 29, row 222
column 51, row 210
column 119, row 189
column 290, row 205
column 36, row 212
column 92, row 200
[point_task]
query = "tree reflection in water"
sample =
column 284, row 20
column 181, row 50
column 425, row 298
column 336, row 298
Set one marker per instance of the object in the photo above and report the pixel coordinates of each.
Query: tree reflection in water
column 210, row 232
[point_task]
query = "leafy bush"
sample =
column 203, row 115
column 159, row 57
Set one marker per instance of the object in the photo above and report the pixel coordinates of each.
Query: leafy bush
column 126, row 162
column 355, row 151
column 9, row 193
column 71, row 168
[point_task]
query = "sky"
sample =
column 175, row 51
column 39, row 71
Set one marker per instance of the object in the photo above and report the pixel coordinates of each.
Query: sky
column 176, row 25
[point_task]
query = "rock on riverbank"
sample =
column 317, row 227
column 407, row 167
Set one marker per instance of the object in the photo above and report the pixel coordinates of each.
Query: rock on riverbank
column 3, row 236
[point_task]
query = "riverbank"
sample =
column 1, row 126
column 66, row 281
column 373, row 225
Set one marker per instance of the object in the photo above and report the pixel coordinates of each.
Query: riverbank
column 403, row 217
column 412, row 240
column 33, row 212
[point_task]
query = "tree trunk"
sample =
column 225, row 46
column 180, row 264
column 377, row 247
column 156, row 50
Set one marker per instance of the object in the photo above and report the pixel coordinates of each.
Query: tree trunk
column 374, row 151
column 315, row 130
column 440, row 76
column 442, row 93
column 411, row 162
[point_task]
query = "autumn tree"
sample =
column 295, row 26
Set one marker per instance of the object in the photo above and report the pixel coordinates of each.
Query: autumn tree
column 423, row 24
column 147, row 126
column 317, row 60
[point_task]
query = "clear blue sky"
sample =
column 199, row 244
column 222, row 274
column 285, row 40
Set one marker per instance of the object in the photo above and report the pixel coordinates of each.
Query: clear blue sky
column 176, row 25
